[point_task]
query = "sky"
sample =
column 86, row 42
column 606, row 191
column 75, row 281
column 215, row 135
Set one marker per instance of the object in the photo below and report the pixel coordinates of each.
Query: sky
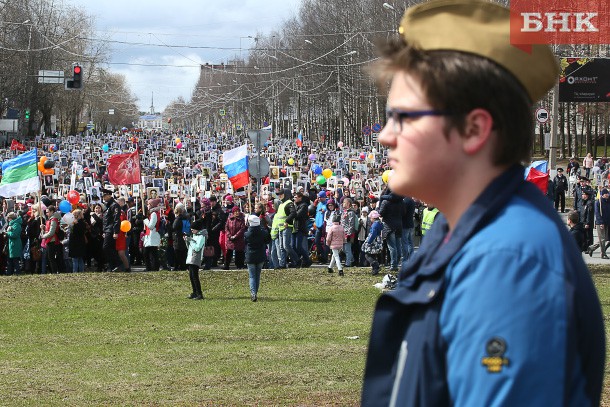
column 140, row 33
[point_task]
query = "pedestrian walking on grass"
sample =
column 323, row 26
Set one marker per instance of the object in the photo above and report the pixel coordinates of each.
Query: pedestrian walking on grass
column 257, row 240
column 195, row 243
column 335, row 239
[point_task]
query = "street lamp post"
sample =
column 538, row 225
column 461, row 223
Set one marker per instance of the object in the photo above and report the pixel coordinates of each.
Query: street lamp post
column 340, row 96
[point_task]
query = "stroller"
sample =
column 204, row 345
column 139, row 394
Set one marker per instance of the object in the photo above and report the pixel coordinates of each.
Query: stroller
column 311, row 241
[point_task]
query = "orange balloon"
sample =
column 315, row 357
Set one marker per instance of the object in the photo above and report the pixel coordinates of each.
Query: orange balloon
column 48, row 171
column 41, row 167
column 125, row 226
column 43, row 159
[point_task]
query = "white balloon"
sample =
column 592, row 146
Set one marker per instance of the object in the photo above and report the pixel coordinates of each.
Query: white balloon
column 162, row 165
column 68, row 218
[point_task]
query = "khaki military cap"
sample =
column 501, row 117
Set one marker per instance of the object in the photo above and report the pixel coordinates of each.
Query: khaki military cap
column 481, row 28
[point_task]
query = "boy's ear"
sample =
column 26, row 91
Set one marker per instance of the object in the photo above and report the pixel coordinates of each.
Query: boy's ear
column 477, row 130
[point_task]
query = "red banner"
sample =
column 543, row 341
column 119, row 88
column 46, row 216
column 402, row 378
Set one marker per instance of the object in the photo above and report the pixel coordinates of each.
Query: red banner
column 15, row 145
column 559, row 22
column 124, row 169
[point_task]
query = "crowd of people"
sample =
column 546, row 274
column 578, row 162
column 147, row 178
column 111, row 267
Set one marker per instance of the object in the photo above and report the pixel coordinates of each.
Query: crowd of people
column 187, row 216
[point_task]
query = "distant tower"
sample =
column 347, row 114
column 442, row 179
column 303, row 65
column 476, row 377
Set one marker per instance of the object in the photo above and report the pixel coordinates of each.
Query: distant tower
column 152, row 103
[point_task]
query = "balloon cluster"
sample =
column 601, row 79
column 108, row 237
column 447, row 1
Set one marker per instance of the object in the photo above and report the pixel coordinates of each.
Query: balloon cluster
column 45, row 166
column 178, row 143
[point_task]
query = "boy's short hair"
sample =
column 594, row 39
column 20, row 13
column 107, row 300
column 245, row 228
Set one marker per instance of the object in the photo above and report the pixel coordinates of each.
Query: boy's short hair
column 574, row 217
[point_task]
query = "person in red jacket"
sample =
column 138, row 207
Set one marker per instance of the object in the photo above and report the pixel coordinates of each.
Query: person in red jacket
column 234, row 230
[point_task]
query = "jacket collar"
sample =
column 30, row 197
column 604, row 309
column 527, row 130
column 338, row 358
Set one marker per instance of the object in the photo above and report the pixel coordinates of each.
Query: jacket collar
column 438, row 248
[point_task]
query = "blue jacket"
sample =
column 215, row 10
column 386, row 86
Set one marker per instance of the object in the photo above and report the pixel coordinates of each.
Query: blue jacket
column 602, row 217
column 320, row 212
column 376, row 229
column 502, row 311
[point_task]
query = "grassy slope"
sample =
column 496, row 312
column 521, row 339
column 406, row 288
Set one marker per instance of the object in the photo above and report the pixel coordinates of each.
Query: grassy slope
column 133, row 339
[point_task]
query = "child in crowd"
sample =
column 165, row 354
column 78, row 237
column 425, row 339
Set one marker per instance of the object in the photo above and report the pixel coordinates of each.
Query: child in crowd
column 195, row 243
column 373, row 244
column 335, row 238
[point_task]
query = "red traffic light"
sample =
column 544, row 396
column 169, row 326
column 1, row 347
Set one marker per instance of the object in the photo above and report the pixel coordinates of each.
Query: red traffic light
column 77, row 69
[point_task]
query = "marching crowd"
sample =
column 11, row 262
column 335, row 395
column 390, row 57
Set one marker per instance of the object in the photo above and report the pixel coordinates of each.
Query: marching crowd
column 96, row 226
column 328, row 227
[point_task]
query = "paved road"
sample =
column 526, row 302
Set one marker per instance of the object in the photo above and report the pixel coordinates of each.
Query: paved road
column 597, row 255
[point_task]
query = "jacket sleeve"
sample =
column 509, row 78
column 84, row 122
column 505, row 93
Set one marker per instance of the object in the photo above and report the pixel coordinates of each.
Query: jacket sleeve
column 475, row 313
column 598, row 216
column 241, row 230
column 291, row 213
column 375, row 230
column 198, row 242
column 14, row 232
column 152, row 222
column 383, row 207
column 116, row 220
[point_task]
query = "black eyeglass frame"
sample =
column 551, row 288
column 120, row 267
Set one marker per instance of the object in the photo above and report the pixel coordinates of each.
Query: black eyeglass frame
column 398, row 116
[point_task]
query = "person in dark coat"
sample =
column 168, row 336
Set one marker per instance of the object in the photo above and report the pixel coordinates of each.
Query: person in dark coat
column 95, row 245
column 602, row 222
column 577, row 230
column 32, row 232
column 112, row 227
column 408, row 227
column 586, row 215
column 256, row 239
column 560, row 183
column 300, row 231
column 77, row 247
column 235, row 228
column 180, row 248
column 391, row 209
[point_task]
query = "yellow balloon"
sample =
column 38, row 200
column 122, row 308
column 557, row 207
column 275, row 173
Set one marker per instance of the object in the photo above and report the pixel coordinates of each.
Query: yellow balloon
column 178, row 140
column 291, row 161
column 371, row 156
column 386, row 176
column 327, row 173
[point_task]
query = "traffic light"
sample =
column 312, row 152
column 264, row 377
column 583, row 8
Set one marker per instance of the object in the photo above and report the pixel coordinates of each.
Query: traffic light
column 27, row 115
column 77, row 78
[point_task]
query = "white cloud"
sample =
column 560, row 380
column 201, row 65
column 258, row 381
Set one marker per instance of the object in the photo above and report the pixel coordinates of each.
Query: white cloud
column 191, row 23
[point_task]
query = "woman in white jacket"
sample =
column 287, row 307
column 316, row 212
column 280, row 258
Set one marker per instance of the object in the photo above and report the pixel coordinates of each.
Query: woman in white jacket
column 152, row 238
column 195, row 244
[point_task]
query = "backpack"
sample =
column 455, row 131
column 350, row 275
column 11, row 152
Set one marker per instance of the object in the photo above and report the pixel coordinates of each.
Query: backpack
column 186, row 227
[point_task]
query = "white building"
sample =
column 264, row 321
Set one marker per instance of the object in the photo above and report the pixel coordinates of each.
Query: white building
column 151, row 122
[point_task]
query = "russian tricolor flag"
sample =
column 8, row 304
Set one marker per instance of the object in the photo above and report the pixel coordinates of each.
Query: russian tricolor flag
column 235, row 163
column 300, row 139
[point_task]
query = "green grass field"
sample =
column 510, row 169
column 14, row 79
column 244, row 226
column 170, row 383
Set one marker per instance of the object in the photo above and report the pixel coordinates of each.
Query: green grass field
column 134, row 339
